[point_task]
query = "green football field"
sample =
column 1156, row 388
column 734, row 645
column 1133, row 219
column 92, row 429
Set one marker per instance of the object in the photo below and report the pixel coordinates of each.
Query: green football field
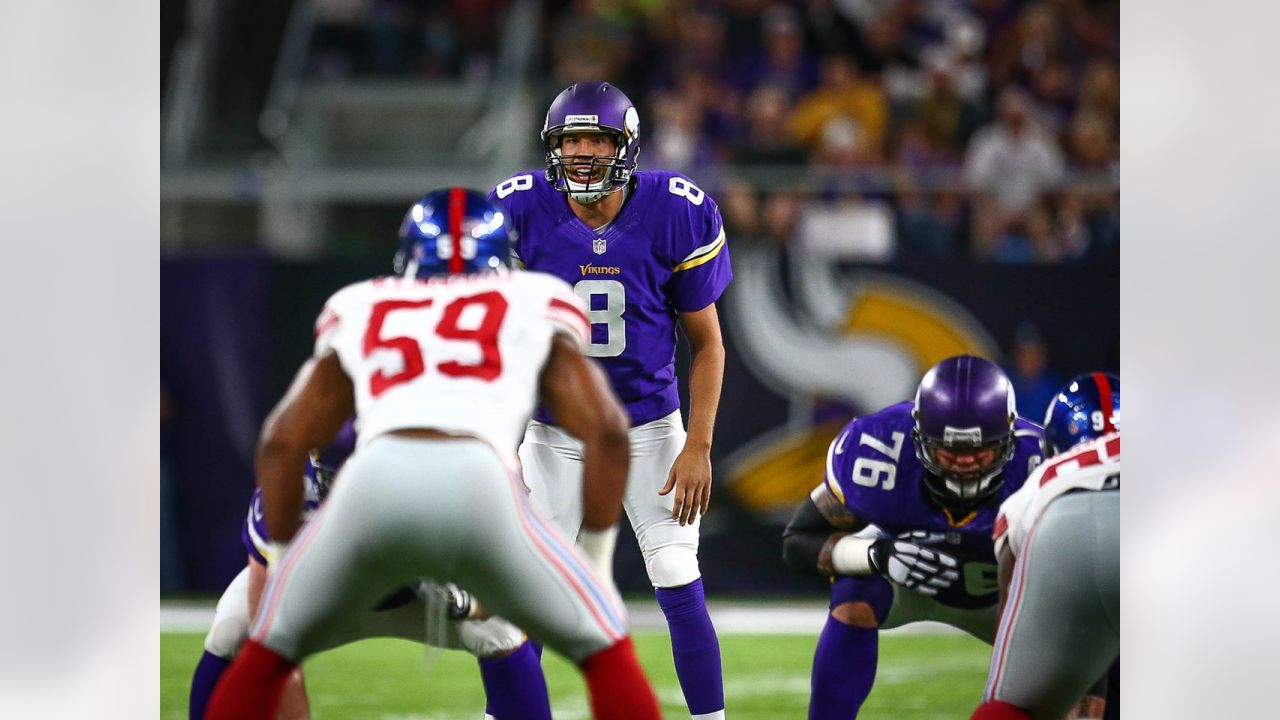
column 766, row 677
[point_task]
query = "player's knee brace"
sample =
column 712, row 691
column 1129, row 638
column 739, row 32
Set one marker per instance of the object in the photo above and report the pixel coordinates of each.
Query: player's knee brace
column 489, row 638
column 672, row 566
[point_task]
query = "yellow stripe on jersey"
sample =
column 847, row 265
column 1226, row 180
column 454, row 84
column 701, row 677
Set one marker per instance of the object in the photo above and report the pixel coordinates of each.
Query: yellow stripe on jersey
column 702, row 254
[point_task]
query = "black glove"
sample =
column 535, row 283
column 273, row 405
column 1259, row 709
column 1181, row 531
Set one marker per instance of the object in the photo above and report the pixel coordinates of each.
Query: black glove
column 907, row 561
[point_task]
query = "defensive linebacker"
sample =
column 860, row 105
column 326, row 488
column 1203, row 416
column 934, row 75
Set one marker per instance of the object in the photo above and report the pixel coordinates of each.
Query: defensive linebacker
column 509, row 665
column 442, row 367
column 643, row 249
column 904, row 526
column 1058, row 544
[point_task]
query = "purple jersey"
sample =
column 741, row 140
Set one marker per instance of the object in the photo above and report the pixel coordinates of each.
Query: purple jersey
column 254, row 533
column 872, row 468
column 663, row 254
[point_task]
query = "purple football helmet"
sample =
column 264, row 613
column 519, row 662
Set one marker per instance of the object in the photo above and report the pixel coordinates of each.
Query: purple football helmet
column 595, row 107
column 964, row 412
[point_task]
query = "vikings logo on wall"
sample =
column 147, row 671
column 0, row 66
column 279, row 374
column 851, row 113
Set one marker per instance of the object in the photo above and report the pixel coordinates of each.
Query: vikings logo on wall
column 857, row 340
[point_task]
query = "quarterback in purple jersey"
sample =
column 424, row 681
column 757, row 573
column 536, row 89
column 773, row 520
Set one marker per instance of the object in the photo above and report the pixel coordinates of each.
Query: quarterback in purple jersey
column 645, row 249
column 902, row 521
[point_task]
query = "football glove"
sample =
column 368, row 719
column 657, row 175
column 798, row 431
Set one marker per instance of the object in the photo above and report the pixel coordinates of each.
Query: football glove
column 458, row 603
column 909, row 561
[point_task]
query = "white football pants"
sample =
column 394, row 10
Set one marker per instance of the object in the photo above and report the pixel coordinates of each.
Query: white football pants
column 551, row 460
column 442, row 509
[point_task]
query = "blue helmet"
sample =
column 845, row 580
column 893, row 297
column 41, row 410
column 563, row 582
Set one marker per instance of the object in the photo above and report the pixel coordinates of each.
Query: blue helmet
column 1088, row 407
column 452, row 231
column 964, row 407
column 595, row 107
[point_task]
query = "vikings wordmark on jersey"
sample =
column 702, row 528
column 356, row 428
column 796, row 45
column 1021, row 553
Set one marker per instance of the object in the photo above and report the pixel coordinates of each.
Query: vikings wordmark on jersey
column 664, row 254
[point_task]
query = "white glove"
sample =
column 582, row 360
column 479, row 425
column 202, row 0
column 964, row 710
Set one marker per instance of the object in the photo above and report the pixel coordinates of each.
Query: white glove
column 906, row 561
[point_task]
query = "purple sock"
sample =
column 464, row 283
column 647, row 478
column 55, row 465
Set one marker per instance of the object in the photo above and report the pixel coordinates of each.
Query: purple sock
column 208, row 670
column 694, row 647
column 844, row 667
column 514, row 686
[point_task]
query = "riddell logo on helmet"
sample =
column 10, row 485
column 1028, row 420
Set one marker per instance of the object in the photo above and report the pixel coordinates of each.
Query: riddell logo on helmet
column 581, row 119
column 590, row 269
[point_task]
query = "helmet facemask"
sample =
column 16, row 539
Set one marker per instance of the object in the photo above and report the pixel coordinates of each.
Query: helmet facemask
column 963, row 489
column 606, row 173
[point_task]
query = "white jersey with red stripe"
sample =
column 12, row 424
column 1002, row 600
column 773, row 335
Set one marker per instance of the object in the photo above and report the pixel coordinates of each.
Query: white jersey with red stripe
column 1093, row 465
column 460, row 353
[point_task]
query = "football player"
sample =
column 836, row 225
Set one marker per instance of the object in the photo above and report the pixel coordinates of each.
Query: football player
column 509, row 665
column 1058, row 545
column 902, row 521
column 442, row 366
column 646, row 251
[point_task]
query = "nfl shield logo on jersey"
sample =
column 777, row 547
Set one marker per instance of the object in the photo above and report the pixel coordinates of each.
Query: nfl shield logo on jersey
column 598, row 246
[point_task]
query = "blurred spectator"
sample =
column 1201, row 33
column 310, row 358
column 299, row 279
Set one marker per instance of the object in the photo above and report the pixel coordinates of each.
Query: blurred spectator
column 780, row 216
column 700, row 43
column 400, row 37
column 1027, row 238
column 949, row 119
column 1091, row 144
column 767, row 140
column 716, row 107
column 1034, row 383
column 740, row 206
column 827, row 30
column 676, row 138
column 782, row 60
column 585, row 45
column 1100, row 91
column 1024, row 47
column 1053, row 87
column 846, row 97
column 928, row 222
column 1008, row 165
column 1094, row 206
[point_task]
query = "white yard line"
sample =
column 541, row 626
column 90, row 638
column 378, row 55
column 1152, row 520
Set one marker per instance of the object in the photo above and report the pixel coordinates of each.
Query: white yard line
column 731, row 617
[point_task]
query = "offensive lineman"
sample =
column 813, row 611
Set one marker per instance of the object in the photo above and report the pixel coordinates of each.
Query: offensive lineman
column 509, row 666
column 643, row 249
column 1058, row 544
column 443, row 365
column 902, row 521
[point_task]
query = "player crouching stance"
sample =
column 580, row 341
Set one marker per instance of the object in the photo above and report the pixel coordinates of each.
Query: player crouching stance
column 904, row 527
column 442, row 367
column 509, row 665
column 1058, row 544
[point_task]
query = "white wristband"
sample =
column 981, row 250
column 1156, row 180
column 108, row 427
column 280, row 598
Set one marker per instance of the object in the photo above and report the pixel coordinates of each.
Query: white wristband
column 849, row 556
column 598, row 545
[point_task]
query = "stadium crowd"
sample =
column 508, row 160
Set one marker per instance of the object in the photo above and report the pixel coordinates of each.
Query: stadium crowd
column 987, row 129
